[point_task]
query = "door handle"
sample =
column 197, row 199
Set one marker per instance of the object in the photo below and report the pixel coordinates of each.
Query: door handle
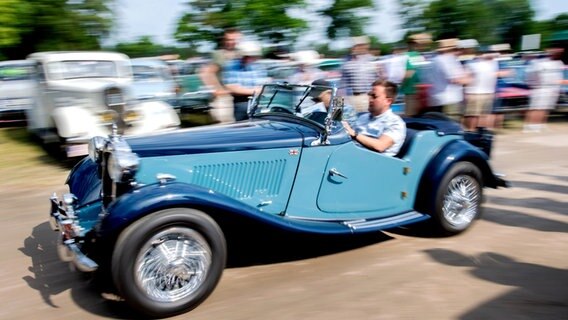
column 334, row 172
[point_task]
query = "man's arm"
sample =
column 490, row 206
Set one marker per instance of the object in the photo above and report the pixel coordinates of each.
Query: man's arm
column 379, row 144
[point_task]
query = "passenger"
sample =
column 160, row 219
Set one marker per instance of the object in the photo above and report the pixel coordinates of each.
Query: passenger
column 322, row 99
column 380, row 129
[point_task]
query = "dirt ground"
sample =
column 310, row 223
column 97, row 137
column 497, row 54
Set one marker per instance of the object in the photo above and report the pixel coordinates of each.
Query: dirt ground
column 513, row 263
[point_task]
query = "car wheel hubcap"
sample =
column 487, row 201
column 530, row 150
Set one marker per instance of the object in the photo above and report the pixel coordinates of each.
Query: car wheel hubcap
column 461, row 202
column 173, row 264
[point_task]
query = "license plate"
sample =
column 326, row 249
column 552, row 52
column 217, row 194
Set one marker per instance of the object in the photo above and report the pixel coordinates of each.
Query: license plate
column 77, row 150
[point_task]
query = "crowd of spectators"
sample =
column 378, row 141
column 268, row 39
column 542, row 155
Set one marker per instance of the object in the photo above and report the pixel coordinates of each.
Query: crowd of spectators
column 460, row 80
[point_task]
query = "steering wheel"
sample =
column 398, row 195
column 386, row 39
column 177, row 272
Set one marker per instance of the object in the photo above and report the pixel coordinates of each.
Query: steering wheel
column 281, row 109
column 317, row 116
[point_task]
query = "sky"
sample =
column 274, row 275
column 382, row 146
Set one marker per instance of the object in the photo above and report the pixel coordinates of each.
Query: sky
column 158, row 18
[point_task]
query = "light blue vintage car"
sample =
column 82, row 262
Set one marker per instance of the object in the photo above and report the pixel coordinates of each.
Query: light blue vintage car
column 152, row 212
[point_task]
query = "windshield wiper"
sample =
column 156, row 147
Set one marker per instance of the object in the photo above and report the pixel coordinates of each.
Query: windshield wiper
column 271, row 98
column 306, row 92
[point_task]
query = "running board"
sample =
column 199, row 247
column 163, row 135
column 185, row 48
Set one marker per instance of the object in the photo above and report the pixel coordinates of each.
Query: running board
column 386, row 223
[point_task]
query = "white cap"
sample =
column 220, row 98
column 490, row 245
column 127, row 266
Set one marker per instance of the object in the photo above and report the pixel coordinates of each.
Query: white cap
column 308, row 57
column 468, row 44
column 250, row 48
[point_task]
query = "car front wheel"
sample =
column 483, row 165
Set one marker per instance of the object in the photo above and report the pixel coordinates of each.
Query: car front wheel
column 168, row 262
column 458, row 198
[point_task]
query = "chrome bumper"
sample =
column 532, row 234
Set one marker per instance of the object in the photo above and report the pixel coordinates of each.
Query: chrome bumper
column 62, row 219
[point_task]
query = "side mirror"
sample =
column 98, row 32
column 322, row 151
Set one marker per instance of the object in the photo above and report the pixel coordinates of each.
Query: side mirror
column 337, row 112
column 251, row 103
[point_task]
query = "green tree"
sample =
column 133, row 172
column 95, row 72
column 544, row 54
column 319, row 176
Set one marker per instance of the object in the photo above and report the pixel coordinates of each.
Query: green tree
column 56, row 25
column 411, row 13
column 488, row 21
column 347, row 18
column 268, row 19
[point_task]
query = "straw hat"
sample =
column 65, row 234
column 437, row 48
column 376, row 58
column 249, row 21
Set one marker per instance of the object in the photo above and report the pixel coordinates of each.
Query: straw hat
column 447, row 44
column 361, row 40
column 420, row 38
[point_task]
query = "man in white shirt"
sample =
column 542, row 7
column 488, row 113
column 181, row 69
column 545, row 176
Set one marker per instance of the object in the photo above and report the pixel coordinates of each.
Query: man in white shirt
column 545, row 76
column 380, row 129
column 447, row 80
column 480, row 92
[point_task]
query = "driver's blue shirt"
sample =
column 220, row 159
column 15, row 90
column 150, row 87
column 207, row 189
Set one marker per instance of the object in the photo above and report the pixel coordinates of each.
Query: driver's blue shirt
column 387, row 123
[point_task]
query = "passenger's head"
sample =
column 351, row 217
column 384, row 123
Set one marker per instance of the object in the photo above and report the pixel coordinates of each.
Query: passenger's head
column 381, row 96
column 321, row 94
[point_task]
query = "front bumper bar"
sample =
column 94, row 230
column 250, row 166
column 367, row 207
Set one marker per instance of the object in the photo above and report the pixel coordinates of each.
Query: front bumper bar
column 62, row 219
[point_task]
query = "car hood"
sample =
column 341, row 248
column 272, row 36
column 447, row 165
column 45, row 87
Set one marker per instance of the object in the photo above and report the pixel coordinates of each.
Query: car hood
column 246, row 135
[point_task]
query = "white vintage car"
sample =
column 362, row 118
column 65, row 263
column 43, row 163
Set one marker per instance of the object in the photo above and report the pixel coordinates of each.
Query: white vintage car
column 80, row 95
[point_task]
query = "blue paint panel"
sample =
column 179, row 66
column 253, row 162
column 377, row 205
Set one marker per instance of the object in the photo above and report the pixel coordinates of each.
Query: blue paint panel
column 373, row 183
column 258, row 178
column 151, row 198
column 84, row 181
column 246, row 135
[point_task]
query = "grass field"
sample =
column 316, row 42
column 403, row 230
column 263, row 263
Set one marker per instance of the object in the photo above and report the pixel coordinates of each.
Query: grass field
column 24, row 163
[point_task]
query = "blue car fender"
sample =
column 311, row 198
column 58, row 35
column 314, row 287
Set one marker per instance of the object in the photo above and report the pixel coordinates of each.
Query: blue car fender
column 148, row 199
column 455, row 151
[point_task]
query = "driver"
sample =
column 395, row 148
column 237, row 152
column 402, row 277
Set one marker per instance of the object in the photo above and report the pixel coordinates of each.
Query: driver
column 380, row 129
column 322, row 99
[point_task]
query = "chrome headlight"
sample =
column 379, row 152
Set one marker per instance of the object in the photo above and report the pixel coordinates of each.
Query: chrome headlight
column 131, row 116
column 96, row 146
column 108, row 117
column 122, row 166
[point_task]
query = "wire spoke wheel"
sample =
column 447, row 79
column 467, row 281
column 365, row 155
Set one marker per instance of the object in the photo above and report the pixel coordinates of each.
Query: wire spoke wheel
column 173, row 264
column 461, row 201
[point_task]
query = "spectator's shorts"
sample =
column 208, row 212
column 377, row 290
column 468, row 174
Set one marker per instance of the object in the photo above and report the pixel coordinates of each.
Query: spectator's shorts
column 544, row 98
column 478, row 104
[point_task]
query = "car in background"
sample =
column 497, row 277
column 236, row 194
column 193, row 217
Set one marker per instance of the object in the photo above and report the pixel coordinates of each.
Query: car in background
column 81, row 94
column 193, row 94
column 512, row 92
column 154, row 215
column 153, row 80
column 16, row 90
column 563, row 99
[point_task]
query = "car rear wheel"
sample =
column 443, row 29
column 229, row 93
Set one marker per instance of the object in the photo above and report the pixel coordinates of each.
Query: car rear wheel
column 168, row 262
column 458, row 198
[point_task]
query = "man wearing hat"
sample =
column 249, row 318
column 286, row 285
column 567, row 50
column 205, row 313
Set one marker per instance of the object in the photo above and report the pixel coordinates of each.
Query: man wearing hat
column 447, row 80
column 416, row 44
column 245, row 78
column 357, row 73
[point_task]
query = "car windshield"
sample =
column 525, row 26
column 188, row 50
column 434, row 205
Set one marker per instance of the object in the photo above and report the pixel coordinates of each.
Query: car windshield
column 16, row 72
column 148, row 73
column 62, row 70
column 287, row 99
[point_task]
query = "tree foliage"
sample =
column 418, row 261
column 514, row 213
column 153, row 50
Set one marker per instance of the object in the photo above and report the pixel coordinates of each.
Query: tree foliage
column 488, row 21
column 346, row 17
column 411, row 14
column 54, row 25
column 269, row 20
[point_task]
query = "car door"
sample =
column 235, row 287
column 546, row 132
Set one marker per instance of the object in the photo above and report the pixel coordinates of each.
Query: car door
column 363, row 182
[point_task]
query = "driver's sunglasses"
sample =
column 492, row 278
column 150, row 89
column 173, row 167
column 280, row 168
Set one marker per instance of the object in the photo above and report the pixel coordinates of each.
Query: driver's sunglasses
column 372, row 95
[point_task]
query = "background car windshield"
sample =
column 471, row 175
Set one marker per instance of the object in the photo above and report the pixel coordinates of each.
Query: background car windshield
column 282, row 99
column 62, row 70
column 16, row 72
column 147, row 73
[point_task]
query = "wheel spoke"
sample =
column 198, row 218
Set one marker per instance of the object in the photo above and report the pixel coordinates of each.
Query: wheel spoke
column 173, row 264
column 461, row 201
